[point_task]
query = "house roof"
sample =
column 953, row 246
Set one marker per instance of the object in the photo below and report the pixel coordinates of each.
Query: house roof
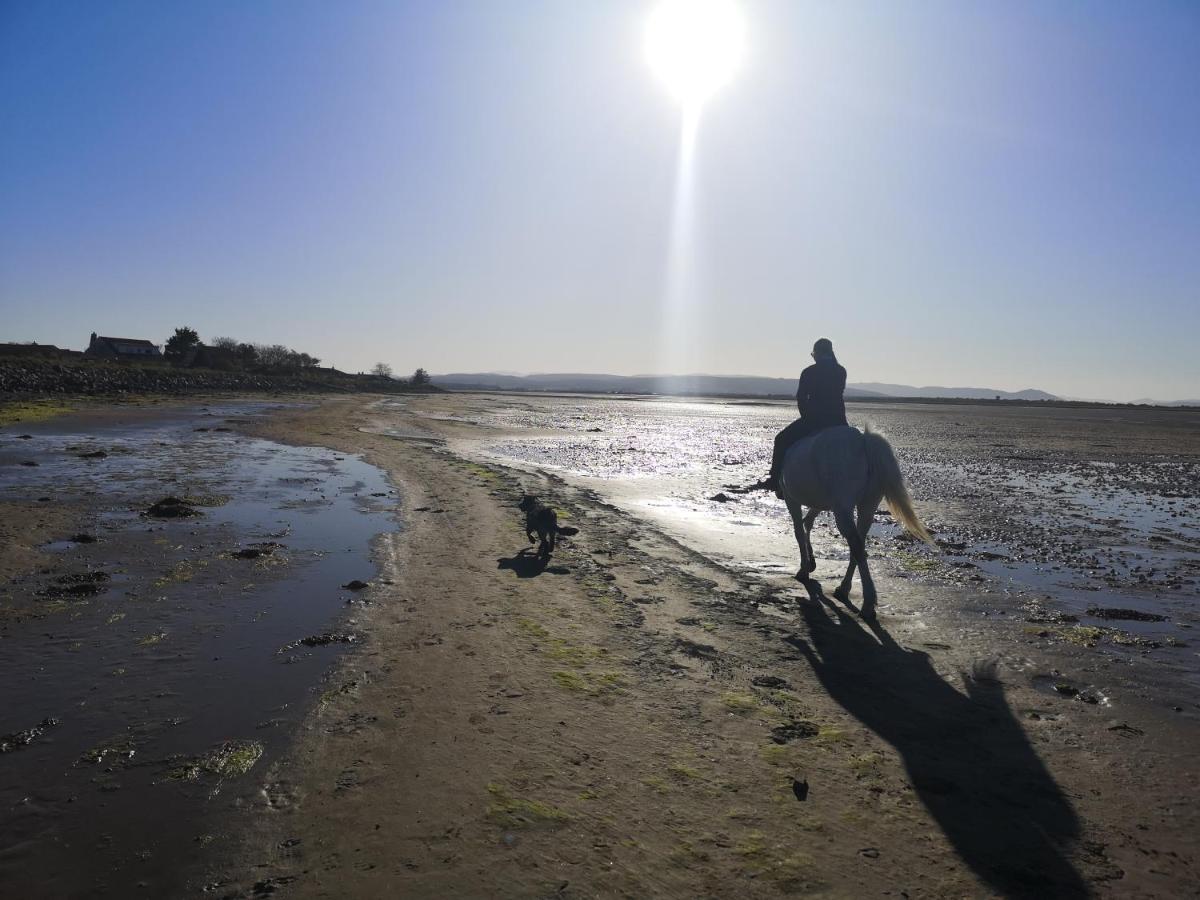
column 118, row 340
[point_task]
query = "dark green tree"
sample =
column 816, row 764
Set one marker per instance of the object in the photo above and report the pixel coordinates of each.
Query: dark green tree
column 420, row 377
column 178, row 344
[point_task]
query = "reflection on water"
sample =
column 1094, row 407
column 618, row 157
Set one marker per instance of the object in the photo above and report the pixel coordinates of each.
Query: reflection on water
column 1078, row 508
column 170, row 683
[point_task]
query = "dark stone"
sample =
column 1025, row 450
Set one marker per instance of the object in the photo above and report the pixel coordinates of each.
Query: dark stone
column 19, row 739
column 721, row 498
column 769, row 681
column 322, row 640
column 1052, row 618
column 355, row 585
column 266, row 548
column 697, row 651
column 93, row 454
column 82, row 538
column 171, row 508
column 76, row 586
column 29, row 462
column 330, row 637
column 790, row 731
column 1132, row 615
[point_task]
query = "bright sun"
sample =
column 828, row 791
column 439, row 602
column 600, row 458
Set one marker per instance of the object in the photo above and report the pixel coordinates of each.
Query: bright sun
column 694, row 46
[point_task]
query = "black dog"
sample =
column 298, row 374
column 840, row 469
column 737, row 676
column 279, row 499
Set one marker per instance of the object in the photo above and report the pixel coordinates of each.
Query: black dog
column 543, row 520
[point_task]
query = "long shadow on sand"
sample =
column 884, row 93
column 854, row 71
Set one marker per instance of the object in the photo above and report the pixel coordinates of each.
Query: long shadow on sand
column 966, row 754
column 529, row 564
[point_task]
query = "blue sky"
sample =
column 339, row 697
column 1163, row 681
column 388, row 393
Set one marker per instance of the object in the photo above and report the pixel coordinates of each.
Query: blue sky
column 1001, row 195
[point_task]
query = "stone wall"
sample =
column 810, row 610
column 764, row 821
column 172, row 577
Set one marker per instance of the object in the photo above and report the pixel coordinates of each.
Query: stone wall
column 27, row 376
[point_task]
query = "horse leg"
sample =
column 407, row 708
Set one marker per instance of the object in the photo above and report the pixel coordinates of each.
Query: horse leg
column 858, row 557
column 798, row 526
column 866, row 517
column 810, row 565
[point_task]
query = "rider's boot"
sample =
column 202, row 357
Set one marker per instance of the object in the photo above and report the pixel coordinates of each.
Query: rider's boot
column 771, row 483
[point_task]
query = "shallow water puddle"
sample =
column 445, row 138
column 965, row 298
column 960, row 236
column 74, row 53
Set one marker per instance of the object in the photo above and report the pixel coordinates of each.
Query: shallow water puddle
column 1048, row 511
column 183, row 672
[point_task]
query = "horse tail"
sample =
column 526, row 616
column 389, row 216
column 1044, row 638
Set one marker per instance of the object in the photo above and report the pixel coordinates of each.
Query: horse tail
column 887, row 480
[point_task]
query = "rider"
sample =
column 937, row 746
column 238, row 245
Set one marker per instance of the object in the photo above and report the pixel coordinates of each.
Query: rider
column 819, row 399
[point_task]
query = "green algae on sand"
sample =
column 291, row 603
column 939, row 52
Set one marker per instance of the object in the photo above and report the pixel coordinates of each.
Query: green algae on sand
column 227, row 760
column 31, row 411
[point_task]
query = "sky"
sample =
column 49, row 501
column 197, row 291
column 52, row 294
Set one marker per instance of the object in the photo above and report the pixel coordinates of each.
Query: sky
column 1001, row 195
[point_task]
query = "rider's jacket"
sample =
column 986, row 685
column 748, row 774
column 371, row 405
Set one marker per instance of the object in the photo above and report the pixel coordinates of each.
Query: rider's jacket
column 819, row 396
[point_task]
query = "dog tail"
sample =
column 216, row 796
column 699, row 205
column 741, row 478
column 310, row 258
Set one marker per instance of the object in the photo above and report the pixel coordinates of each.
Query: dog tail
column 567, row 530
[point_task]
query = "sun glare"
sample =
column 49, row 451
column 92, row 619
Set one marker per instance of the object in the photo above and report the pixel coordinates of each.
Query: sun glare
column 694, row 46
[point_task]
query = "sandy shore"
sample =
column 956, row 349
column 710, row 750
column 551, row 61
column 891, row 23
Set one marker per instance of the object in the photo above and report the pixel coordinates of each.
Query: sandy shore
column 632, row 720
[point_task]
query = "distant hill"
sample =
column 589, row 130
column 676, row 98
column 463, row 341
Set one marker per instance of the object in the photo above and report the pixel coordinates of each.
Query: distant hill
column 965, row 393
column 709, row 385
column 1148, row 402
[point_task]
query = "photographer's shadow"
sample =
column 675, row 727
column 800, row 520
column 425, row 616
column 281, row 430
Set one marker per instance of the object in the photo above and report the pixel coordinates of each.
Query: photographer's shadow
column 968, row 758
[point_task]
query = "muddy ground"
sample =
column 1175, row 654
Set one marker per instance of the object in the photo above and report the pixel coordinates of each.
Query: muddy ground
column 167, row 591
column 630, row 718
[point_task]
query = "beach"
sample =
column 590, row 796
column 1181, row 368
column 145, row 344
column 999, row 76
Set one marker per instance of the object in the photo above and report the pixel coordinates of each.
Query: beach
column 660, row 709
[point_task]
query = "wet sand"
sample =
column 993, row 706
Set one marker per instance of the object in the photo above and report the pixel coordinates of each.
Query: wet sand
column 1083, row 525
column 151, row 663
column 633, row 718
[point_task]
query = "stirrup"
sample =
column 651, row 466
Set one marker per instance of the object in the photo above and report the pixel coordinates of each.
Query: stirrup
column 764, row 485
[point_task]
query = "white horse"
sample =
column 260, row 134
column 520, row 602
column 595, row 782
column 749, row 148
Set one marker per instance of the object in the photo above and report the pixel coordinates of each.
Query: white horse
column 845, row 470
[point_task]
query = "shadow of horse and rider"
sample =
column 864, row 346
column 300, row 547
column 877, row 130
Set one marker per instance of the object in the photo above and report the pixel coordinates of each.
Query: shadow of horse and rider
column 968, row 758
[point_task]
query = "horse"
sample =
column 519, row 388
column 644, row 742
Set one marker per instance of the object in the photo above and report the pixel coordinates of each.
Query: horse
column 845, row 470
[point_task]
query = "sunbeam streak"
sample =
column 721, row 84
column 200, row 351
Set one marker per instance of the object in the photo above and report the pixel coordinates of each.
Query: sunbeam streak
column 680, row 324
column 694, row 47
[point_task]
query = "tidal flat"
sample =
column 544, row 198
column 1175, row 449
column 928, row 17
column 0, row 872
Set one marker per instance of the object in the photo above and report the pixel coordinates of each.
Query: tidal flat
column 658, row 709
column 1081, row 523
column 162, row 631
